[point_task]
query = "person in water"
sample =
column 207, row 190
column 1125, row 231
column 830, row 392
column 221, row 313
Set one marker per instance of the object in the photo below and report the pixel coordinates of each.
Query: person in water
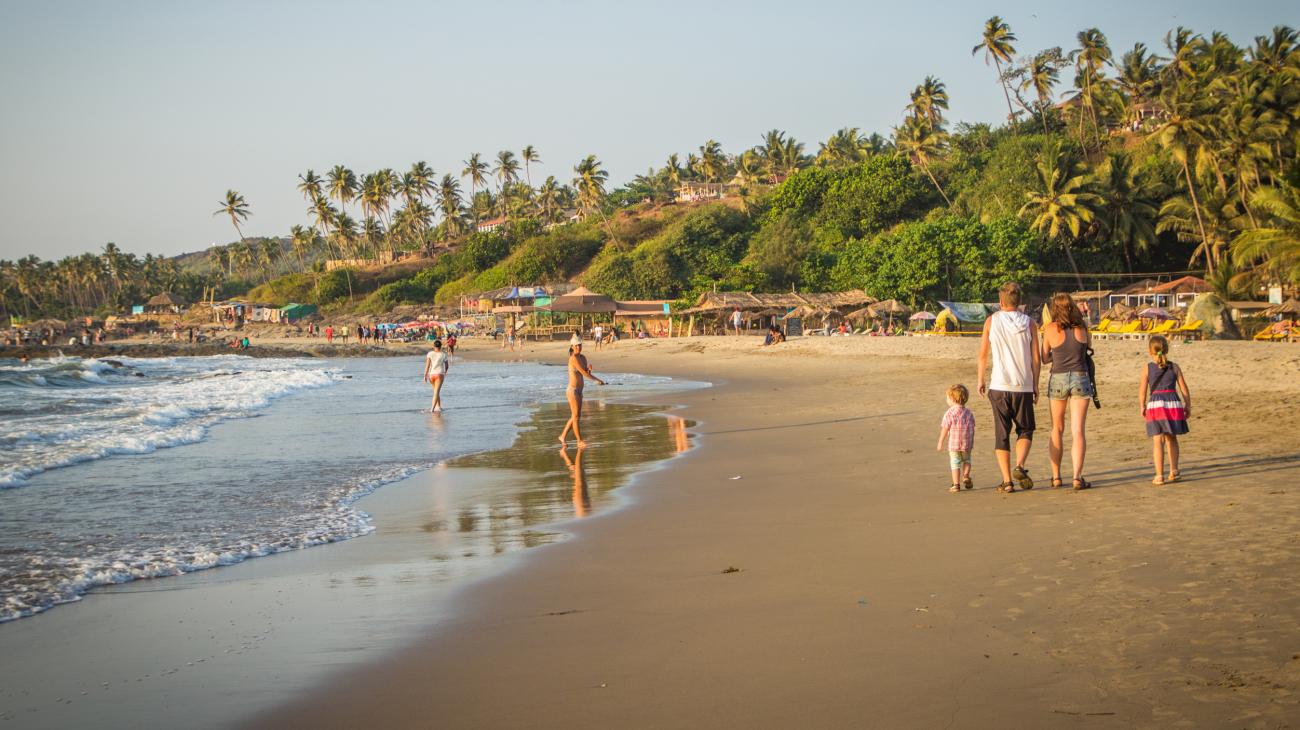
column 579, row 373
column 436, row 364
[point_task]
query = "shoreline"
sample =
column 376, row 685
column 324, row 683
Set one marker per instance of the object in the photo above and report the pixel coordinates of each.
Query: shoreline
column 353, row 597
column 860, row 593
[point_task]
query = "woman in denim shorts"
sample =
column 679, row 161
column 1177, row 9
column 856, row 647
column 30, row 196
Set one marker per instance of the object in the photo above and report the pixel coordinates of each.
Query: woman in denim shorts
column 1065, row 345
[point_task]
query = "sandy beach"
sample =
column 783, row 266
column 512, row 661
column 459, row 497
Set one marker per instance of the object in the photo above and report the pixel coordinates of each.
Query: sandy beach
column 805, row 567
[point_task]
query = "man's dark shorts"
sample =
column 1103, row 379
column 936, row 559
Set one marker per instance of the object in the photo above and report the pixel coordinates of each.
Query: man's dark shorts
column 1008, row 409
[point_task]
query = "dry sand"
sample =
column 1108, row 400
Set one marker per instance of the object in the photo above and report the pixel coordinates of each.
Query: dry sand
column 866, row 595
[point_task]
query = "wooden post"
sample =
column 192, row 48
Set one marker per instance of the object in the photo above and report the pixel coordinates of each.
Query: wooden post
column 690, row 328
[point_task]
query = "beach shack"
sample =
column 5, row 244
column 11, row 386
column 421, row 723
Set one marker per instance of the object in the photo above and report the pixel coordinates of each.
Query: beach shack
column 715, row 307
column 293, row 312
column 646, row 315
column 165, row 303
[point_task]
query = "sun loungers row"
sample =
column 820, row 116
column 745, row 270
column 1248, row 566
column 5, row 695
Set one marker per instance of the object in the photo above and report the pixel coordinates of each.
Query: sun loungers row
column 1280, row 332
column 1134, row 330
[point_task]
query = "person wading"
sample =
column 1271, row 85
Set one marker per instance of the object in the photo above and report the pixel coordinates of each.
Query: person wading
column 1012, row 339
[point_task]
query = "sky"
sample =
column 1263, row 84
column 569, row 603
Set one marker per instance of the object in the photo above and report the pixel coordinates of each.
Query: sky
column 127, row 121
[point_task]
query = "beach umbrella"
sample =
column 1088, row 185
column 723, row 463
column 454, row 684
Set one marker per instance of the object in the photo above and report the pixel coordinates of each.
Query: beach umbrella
column 1155, row 313
column 922, row 316
column 888, row 308
column 583, row 301
column 859, row 315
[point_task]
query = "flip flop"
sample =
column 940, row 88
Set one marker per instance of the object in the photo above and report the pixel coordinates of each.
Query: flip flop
column 1158, row 481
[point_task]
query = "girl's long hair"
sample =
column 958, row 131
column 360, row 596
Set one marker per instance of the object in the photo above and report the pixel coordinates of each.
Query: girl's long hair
column 1065, row 312
column 1159, row 348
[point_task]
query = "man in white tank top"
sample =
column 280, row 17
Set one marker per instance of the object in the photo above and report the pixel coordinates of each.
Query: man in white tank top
column 1012, row 338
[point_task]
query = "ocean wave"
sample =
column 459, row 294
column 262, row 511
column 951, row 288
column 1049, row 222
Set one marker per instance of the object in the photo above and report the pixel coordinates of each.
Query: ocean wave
column 49, row 582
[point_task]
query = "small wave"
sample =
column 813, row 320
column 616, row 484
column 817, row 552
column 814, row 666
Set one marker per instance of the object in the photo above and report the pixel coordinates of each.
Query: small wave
column 56, row 582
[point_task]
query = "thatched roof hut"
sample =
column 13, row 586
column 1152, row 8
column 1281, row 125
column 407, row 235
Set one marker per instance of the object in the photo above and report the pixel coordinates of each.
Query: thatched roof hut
column 166, row 300
column 749, row 301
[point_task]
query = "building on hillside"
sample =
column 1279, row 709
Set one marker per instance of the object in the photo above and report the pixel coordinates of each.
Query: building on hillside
column 489, row 226
column 383, row 258
column 694, row 191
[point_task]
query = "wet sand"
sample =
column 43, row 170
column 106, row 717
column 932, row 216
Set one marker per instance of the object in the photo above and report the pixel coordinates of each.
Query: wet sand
column 804, row 566
column 208, row 649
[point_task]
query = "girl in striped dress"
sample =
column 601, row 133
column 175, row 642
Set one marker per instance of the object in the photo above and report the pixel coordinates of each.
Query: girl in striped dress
column 1166, row 405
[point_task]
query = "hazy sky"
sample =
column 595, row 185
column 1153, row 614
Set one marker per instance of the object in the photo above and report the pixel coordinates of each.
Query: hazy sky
column 127, row 121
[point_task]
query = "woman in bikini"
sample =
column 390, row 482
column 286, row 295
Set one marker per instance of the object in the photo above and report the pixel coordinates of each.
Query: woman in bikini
column 436, row 364
column 579, row 373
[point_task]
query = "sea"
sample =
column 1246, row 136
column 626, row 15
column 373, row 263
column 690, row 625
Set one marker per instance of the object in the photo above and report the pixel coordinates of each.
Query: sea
column 120, row 469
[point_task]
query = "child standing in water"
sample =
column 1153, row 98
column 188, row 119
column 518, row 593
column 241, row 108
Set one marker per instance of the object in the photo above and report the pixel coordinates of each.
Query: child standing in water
column 1166, row 405
column 958, row 431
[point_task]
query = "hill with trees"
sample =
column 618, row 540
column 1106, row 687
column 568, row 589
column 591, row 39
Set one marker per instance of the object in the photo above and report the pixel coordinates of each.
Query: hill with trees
column 1179, row 159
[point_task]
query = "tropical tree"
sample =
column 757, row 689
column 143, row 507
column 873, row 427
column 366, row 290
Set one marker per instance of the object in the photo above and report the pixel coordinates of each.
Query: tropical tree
column 589, row 182
column 342, row 184
column 922, row 144
column 1272, row 251
column 1061, row 205
column 1090, row 59
column 1182, row 134
column 929, row 100
column 1128, row 204
column 530, row 157
column 310, row 185
column 712, row 166
column 476, row 170
column 236, row 207
column 451, row 206
column 996, row 44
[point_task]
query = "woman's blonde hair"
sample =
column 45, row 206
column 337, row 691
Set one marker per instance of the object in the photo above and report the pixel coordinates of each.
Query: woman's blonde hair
column 958, row 394
column 1159, row 348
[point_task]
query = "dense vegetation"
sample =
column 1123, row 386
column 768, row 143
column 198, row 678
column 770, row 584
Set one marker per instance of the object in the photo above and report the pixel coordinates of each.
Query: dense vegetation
column 1148, row 162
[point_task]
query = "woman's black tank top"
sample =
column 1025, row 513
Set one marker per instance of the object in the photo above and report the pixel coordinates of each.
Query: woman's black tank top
column 1070, row 356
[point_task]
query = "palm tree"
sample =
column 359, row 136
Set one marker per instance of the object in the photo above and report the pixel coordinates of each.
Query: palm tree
column 1041, row 74
column 476, row 170
column 529, row 156
column 342, row 186
column 235, row 207
column 451, row 205
column 922, row 143
column 1139, row 75
column 1061, row 203
column 1182, row 135
column 310, row 185
column 1274, row 248
column 1128, row 204
column 589, row 180
column 303, row 242
column 221, row 258
column 929, row 101
column 712, row 162
column 674, row 170
column 996, row 44
column 1219, row 219
column 548, row 199
column 1093, row 54
column 269, row 254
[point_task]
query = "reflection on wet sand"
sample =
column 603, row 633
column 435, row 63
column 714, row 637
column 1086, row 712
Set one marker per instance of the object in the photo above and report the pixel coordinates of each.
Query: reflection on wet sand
column 533, row 483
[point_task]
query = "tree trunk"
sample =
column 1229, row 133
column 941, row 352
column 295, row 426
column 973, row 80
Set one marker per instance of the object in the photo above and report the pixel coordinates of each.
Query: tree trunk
column 1011, row 113
column 1069, row 256
column 936, row 184
column 1200, row 223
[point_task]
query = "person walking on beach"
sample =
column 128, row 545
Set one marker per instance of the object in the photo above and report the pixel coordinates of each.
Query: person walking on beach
column 329, row 335
column 957, row 431
column 1166, row 405
column 579, row 374
column 436, row 365
column 737, row 320
column 1011, row 338
column 1065, row 344
column 598, row 336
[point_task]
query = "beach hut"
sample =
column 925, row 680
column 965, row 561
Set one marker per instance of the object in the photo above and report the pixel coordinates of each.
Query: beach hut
column 647, row 315
column 292, row 312
column 889, row 309
column 165, row 303
column 1290, row 309
column 583, row 301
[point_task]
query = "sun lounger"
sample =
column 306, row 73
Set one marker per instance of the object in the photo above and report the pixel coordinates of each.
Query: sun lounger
column 1101, row 326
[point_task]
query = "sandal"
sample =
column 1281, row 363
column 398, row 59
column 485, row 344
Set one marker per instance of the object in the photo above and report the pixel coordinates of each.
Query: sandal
column 969, row 483
column 1158, row 481
column 1007, row 487
column 954, row 489
column 1175, row 476
column 1021, row 475
column 1057, row 482
column 1082, row 483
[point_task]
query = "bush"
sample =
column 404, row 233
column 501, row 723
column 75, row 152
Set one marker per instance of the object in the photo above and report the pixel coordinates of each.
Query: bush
column 852, row 202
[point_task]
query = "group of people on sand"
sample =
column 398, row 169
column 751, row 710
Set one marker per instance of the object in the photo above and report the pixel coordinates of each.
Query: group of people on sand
column 1008, row 373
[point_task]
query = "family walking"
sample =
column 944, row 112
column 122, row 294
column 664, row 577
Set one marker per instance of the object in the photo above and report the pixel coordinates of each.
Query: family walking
column 1010, row 362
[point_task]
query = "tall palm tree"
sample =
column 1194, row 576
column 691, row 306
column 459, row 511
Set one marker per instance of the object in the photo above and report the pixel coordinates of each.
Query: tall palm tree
column 1061, row 204
column 1091, row 57
column 589, row 180
column 548, row 199
column 673, row 168
column 476, row 170
column 1274, row 248
column 529, row 156
column 929, row 101
column 1139, row 75
column 342, row 184
column 236, row 207
column 451, row 206
column 922, row 143
column 310, row 185
column 712, row 162
column 268, row 254
column 996, row 44
column 303, row 241
column 1219, row 219
column 1042, row 73
column 1182, row 135
column 421, row 181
